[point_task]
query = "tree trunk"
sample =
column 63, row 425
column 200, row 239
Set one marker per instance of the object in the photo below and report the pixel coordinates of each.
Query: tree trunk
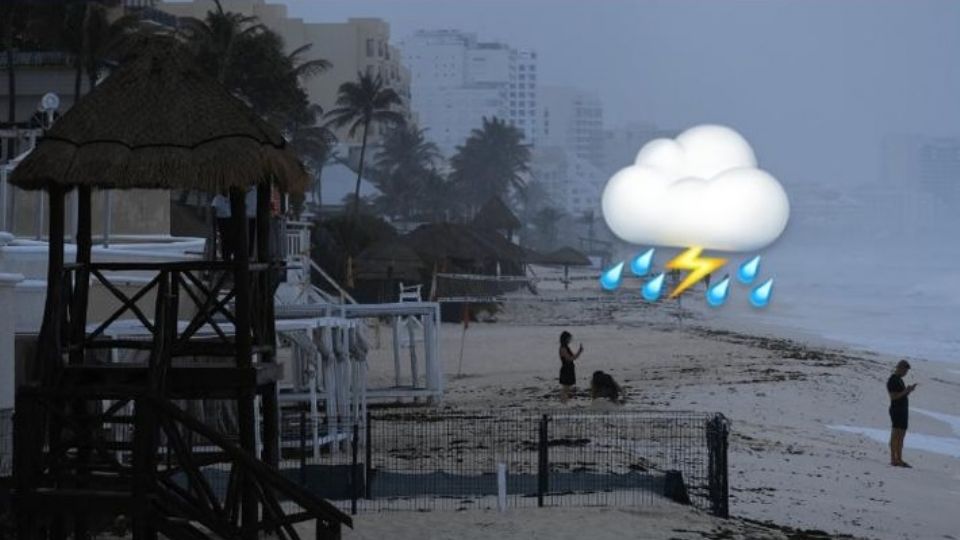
column 318, row 188
column 356, row 193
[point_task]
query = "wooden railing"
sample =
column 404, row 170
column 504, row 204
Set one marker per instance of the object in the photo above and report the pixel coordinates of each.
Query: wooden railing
column 201, row 290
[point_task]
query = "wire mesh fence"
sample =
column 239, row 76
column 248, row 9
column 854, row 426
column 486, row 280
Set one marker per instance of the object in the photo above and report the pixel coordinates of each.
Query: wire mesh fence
column 436, row 460
column 432, row 460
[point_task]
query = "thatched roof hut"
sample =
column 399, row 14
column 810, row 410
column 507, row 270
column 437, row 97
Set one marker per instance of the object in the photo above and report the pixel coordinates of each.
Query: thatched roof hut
column 389, row 260
column 159, row 121
column 495, row 214
column 466, row 247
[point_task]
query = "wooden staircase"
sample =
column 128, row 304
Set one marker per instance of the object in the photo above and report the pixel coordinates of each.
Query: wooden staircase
column 98, row 443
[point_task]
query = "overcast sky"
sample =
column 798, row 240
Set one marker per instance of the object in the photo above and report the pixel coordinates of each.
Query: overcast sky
column 813, row 84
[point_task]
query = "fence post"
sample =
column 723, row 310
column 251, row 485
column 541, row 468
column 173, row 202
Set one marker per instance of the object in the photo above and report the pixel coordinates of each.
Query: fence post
column 368, row 466
column 543, row 463
column 718, row 431
column 354, row 469
column 502, row 487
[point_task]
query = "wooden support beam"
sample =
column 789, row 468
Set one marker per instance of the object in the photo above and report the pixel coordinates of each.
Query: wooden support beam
column 241, row 281
column 78, row 315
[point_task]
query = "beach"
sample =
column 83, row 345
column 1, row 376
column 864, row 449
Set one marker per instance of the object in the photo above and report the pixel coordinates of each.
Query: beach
column 809, row 421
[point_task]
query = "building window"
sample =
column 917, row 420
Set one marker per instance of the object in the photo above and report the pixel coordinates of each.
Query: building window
column 380, row 49
column 370, row 47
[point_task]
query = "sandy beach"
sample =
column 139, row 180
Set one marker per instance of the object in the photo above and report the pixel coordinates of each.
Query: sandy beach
column 809, row 425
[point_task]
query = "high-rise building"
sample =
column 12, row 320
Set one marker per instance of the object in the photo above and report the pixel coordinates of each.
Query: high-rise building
column 355, row 46
column 920, row 181
column 571, row 183
column 456, row 81
column 572, row 119
column 621, row 144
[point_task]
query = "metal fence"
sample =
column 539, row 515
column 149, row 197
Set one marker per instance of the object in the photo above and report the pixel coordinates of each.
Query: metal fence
column 450, row 460
column 434, row 459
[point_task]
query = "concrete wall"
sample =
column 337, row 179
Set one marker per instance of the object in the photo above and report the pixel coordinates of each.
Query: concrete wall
column 134, row 211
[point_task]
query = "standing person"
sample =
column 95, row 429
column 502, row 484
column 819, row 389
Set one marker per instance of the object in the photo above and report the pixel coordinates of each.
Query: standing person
column 899, row 411
column 568, row 374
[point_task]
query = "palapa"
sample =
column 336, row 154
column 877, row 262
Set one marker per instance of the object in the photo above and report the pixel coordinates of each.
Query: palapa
column 389, row 259
column 436, row 241
column 495, row 214
column 160, row 122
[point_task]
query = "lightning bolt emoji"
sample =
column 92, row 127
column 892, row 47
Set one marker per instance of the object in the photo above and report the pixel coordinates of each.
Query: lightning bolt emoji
column 699, row 267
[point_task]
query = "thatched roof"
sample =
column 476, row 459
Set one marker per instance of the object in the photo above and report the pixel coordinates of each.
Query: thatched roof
column 465, row 242
column 494, row 214
column 390, row 259
column 160, row 122
column 565, row 256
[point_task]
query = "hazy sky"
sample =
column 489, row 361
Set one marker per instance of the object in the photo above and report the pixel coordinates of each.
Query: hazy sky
column 813, row 84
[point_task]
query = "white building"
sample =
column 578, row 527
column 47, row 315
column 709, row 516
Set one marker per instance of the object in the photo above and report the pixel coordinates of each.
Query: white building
column 456, row 81
column 354, row 46
column 920, row 181
column 573, row 184
column 573, row 119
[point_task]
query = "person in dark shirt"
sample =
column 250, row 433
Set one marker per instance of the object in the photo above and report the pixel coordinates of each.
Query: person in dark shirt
column 899, row 411
column 568, row 374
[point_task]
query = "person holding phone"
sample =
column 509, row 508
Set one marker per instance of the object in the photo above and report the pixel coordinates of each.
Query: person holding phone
column 899, row 411
column 568, row 373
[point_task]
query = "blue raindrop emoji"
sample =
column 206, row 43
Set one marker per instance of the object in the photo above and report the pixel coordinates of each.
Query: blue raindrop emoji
column 717, row 294
column 652, row 289
column 610, row 279
column 760, row 296
column 749, row 270
column 640, row 264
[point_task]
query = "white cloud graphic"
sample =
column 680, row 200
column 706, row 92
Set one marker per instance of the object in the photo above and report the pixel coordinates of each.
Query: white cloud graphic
column 701, row 189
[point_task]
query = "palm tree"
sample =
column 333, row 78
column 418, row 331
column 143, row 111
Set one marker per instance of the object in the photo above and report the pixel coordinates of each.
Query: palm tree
column 360, row 104
column 249, row 60
column 305, row 69
column 215, row 38
column 437, row 199
column 546, row 222
column 103, row 42
column 314, row 144
column 491, row 162
column 404, row 160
